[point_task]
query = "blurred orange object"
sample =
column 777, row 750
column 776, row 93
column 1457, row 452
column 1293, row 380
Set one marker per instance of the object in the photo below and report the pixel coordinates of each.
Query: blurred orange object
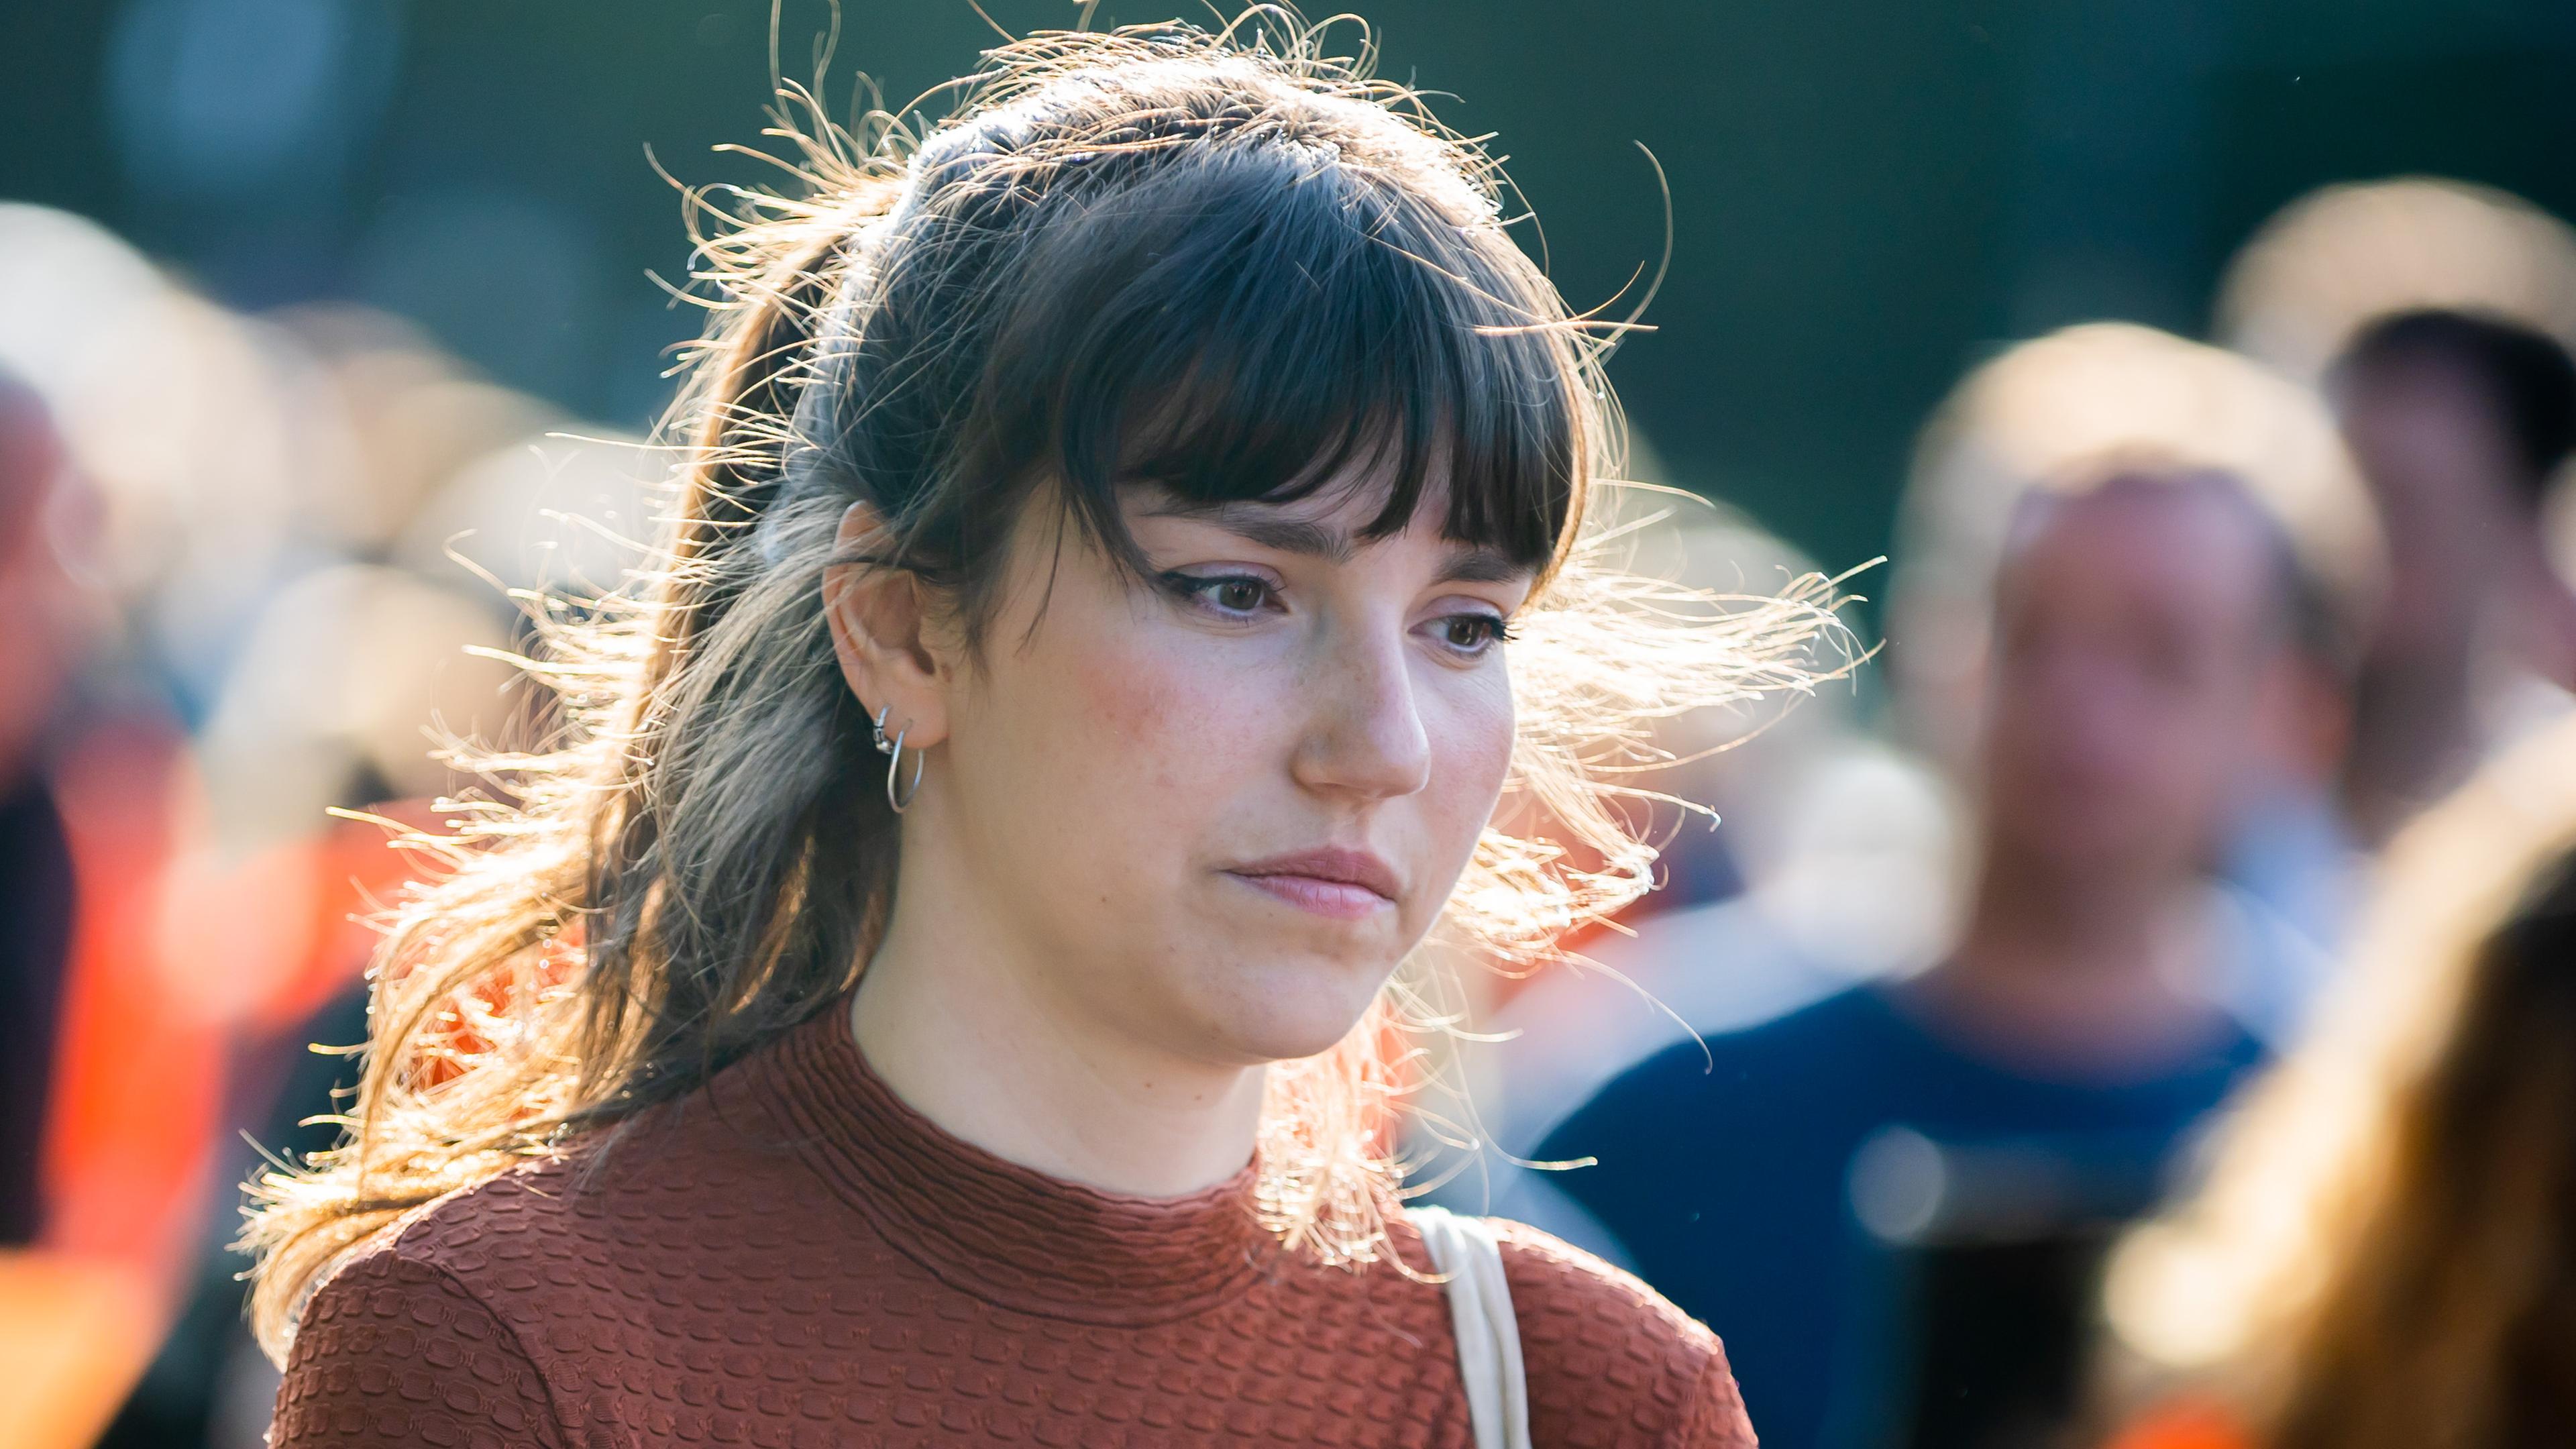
column 188, row 976
column 75, row 1333
column 2184, row 1423
column 140, row 1072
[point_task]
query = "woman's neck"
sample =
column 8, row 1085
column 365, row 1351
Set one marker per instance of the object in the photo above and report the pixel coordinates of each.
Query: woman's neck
column 966, row 1040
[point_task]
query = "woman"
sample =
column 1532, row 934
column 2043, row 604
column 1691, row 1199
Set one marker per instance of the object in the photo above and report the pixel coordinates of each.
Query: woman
column 944, row 990
column 2385, row 1255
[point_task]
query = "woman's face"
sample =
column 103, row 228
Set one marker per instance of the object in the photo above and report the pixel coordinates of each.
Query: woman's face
column 1213, row 809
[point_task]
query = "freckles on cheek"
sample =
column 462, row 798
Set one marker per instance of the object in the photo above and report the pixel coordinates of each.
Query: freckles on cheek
column 1469, row 772
column 1497, row 727
column 1161, row 716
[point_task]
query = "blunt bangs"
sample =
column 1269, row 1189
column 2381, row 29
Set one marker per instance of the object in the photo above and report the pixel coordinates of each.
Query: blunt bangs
column 1267, row 323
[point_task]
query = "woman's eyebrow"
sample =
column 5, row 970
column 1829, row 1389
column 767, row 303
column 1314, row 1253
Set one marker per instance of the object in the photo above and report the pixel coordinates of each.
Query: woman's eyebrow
column 1480, row 565
column 1265, row 525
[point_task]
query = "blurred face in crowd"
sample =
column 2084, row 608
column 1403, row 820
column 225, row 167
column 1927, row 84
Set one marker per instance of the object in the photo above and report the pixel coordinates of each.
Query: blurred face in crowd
column 2441, row 470
column 2468, row 564
column 2138, row 632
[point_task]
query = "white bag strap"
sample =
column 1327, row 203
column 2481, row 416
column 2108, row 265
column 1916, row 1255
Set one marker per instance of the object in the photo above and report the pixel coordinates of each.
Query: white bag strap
column 1489, row 1336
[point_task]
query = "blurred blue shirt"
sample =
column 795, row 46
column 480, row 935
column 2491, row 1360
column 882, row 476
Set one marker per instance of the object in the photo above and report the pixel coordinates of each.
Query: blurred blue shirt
column 1724, row 1176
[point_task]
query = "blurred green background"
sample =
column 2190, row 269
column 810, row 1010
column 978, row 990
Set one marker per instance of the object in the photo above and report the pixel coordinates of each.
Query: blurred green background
column 1867, row 195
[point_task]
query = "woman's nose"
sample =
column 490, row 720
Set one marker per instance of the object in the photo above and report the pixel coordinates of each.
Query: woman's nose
column 1366, row 735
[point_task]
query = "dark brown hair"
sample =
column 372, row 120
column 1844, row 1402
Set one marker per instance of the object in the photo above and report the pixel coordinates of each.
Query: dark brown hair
column 2523, row 376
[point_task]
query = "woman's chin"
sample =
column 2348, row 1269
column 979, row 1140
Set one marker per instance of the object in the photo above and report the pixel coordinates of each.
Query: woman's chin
column 1292, row 1009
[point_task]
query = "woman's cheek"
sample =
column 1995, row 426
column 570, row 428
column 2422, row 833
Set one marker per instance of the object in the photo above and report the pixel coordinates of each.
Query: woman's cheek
column 1168, row 709
column 1492, row 726
column 1472, row 754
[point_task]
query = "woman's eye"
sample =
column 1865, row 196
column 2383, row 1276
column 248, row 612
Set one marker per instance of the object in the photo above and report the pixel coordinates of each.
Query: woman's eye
column 1473, row 633
column 1226, row 594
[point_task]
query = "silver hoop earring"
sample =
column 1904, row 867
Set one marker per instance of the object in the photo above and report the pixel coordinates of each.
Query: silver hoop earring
column 893, row 750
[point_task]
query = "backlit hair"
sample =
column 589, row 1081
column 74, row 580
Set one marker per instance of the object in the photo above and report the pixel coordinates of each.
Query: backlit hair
column 1227, row 263
column 2384, row 1253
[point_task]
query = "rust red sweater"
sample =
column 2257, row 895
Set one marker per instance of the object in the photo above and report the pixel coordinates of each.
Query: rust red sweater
column 793, row 1257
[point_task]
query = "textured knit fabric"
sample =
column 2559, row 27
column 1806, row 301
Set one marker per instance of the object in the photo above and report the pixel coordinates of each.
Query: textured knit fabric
column 793, row 1257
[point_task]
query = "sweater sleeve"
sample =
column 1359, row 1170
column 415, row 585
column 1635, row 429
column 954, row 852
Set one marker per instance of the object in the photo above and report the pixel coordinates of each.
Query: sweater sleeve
column 1717, row 1419
column 394, row 1351
column 1611, row 1364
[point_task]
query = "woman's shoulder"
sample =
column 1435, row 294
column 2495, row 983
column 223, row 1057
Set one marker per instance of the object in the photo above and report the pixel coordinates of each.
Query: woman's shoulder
column 449, row 1325
column 459, row 1257
column 404, row 1340
column 632, row 1195
column 1610, row 1360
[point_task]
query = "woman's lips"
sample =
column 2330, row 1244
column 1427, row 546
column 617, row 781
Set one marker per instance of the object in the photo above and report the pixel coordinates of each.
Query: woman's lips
column 1344, row 885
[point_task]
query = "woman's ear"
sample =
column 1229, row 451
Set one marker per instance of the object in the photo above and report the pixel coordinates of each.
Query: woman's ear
column 882, row 633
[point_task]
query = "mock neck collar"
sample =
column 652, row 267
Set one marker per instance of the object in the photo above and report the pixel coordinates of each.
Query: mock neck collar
column 1007, row 1234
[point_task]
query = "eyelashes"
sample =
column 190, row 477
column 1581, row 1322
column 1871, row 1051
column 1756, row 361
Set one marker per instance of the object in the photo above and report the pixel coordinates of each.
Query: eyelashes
column 1242, row 598
column 1231, row 595
column 1482, row 631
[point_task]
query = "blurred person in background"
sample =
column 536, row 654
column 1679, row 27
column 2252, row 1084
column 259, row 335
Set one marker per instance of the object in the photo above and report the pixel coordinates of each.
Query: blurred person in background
column 2461, row 424
column 2287, row 871
column 86, row 1226
column 2384, row 1254
column 331, row 705
column 339, row 686
column 202, row 667
column 2342, row 257
column 2436, row 314
column 35, row 855
column 2144, row 618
